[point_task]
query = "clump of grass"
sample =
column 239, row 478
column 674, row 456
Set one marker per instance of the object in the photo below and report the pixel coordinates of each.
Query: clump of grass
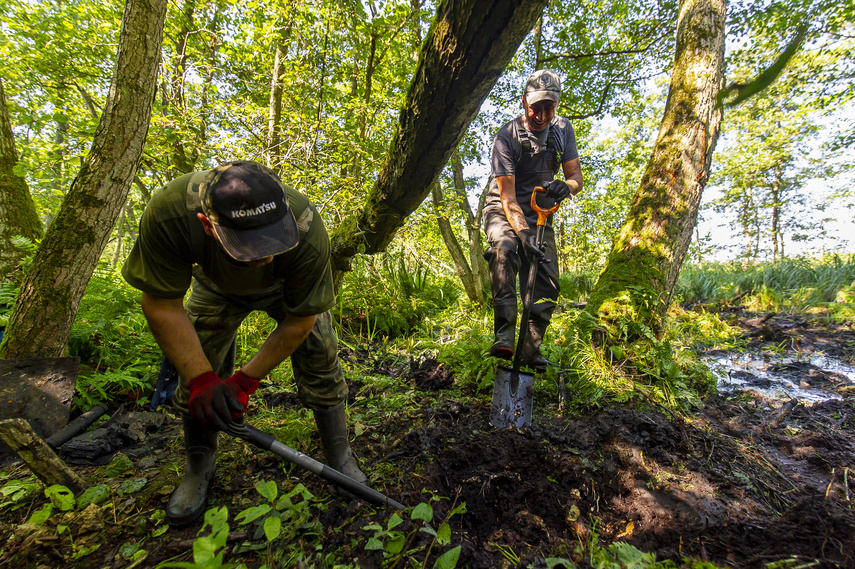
column 792, row 284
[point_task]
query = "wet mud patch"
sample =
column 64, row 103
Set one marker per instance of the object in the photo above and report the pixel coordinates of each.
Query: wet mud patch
column 430, row 375
column 672, row 487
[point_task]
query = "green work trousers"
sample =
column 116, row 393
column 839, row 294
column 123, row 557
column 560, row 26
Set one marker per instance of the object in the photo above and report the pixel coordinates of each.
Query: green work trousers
column 216, row 317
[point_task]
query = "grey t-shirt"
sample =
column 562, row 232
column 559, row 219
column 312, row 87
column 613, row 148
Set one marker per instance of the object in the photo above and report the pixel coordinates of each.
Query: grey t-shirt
column 507, row 153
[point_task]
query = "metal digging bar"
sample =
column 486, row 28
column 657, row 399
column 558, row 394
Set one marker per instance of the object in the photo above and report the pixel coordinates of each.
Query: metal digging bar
column 267, row 442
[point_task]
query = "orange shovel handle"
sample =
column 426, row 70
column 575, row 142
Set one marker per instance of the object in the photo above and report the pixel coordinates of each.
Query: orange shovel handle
column 542, row 214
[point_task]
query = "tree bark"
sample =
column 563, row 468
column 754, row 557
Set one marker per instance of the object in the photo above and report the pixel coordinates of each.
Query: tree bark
column 644, row 263
column 481, row 273
column 51, row 292
column 468, row 47
column 18, row 214
column 38, row 456
column 467, row 276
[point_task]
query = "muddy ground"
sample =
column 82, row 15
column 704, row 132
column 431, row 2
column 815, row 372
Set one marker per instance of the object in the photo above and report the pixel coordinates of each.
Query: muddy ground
column 749, row 481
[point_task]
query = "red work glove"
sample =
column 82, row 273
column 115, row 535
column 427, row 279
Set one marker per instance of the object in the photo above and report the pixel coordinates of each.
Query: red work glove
column 242, row 386
column 212, row 401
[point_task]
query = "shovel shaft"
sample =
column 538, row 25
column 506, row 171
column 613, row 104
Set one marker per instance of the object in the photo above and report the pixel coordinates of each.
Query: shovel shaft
column 266, row 441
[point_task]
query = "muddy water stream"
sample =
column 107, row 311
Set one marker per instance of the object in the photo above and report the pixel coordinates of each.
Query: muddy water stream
column 806, row 377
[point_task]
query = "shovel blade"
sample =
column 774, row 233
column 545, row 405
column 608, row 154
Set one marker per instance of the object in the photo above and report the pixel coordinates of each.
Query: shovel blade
column 511, row 407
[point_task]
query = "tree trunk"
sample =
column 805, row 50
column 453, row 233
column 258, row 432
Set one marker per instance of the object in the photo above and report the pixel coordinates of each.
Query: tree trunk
column 480, row 271
column 777, row 201
column 649, row 250
column 274, row 111
column 468, row 47
column 51, row 292
column 468, row 277
column 18, row 214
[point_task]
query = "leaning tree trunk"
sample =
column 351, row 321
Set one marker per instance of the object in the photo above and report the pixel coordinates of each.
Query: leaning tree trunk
column 18, row 214
column 469, row 45
column 51, row 292
column 643, row 266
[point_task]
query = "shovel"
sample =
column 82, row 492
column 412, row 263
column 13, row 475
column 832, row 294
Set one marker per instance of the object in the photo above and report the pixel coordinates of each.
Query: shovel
column 513, row 389
column 265, row 441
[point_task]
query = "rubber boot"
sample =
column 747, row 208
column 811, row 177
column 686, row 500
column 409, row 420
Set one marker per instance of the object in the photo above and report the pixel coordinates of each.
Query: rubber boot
column 187, row 503
column 332, row 426
column 531, row 355
column 504, row 327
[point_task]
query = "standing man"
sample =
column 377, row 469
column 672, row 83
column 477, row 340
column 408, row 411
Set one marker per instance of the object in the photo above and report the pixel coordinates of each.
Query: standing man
column 248, row 242
column 527, row 152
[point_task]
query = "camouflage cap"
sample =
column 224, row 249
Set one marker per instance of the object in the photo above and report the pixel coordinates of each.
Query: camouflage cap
column 543, row 84
column 248, row 207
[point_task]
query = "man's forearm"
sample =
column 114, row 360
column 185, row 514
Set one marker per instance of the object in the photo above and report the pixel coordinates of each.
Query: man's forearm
column 175, row 335
column 512, row 208
column 285, row 339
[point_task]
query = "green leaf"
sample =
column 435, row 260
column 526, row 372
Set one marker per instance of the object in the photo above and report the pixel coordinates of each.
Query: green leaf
column 252, row 514
column 423, row 511
column 61, row 497
column 267, row 489
column 84, row 551
column 394, row 521
column 374, row 544
column 118, row 466
column 448, row 560
column 395, row 543
column 131, row 486
column 205, row 551
column 93, row 495
column 552, row 562
column 443, row 536
column 40, row 516
column 272, row 527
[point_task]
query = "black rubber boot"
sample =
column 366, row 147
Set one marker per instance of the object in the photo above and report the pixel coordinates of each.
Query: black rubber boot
column 187, row 503
column 531, row 355
column 504, row 327
column 332, row 426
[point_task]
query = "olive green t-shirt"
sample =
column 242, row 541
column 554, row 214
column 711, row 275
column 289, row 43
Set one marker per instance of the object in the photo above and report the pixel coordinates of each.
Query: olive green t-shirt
column 172, row 239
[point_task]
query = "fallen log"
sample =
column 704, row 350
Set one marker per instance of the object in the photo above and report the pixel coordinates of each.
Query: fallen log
column 38, row 456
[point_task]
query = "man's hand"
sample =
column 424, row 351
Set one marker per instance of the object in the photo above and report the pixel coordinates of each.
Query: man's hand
column 212, row 401
column 532, row 251
column 243, row 386
column 556, row 189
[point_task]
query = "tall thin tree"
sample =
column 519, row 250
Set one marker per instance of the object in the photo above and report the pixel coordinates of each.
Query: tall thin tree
column 642, row 268
column 52, row 289
column 18, row 216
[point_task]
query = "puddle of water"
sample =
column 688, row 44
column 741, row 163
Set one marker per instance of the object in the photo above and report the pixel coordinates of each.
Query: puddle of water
column 770, row 375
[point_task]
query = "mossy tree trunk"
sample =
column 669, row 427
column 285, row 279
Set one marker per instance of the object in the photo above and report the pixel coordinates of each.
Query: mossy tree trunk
column 642, row 268
column 18, row 214
column 469, row 45
column 52, row 289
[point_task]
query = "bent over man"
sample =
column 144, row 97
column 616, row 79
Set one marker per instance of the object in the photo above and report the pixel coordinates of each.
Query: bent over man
column 527, row 152
column 247, row 242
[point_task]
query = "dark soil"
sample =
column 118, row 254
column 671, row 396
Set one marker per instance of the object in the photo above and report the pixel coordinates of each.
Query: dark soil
column 746, row 482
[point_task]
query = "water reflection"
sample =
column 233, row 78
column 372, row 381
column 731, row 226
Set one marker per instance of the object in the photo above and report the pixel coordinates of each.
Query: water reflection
column 807, row 377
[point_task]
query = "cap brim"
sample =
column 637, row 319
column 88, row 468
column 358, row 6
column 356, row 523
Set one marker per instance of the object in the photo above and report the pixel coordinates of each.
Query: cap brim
column 537, row 96
column 252, row 244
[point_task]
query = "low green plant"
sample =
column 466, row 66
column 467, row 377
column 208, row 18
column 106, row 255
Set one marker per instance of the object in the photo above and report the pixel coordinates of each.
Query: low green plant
column 395, row 543
column 133, row 380
column 17, row 493
column 287, row 520
column 208, row 550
